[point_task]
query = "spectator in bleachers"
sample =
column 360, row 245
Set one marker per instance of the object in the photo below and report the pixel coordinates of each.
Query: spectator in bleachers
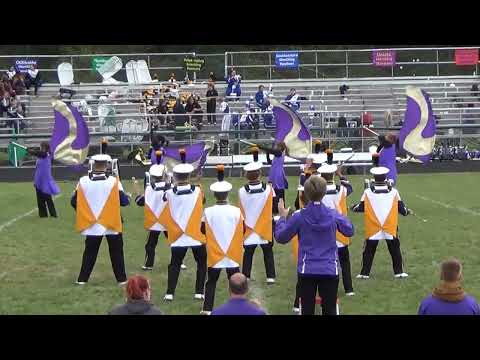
column 475, row 92
column 179, row 110
column 343, row 90
column 211, row 95
column 18, row 84
column 212, row 78
column 15, row 116
column 449, row 297
column 34, row 78
column 138, row 301
column 260, row 97
column 292, row 99
column 172, row 78
column 11, row 73
column 233, row 85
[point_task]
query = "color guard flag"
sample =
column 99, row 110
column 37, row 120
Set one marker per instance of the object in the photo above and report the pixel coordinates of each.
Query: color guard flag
column 70, row 137
column 417, row 136
column 196, row 154
column 292, row 131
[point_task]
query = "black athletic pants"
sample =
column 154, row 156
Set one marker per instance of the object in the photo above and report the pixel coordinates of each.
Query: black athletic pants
column 211, row 285
column 296, row 303
column 369, row 253
column 44, row 201
column 115, row 248
column 178, row 254
column 150, row 246
column 267, row 258
column 327, row 287
column 279, row 194
column 344, row 257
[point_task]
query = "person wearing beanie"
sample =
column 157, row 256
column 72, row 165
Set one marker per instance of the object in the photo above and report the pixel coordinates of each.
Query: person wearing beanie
column 336, row 199
column 138, row 299
column 153, row 202
column 223, row 226
column 182, row 218
column 381, row 204
column 256, row 203
column 449, row 297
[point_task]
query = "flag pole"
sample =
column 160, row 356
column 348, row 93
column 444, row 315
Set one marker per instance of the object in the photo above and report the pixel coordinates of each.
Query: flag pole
column 371, row 131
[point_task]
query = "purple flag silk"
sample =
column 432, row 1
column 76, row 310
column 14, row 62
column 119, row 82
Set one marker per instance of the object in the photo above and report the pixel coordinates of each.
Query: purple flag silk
column 292, row 131
column 70, row 136
column 196, row 154
column 417, row 136
column 388, row 159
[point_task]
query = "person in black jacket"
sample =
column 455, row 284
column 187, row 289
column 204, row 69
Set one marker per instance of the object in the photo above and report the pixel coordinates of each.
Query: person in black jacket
column 138, row 299
column 212, row 95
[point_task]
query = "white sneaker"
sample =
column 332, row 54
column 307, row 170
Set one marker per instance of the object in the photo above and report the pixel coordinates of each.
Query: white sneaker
column 350, row 294
column 199, row 297
column 360, row 276
column 204, row 312
column 147, row 268
column 296, row 310
column 270, row 281
column 80, row 282
column 123, row 283
column 402, row 275
column 168, row 297
column 183, row 267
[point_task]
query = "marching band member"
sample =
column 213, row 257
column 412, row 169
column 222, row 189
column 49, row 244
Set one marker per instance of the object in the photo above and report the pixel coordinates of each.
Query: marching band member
column 45, row 185
column 336, row 198
column 97, row 200
column 381, row 204
column 154, row 204
column 309, row 167
column 224, row 228
column 256, row 201
column 182, row 218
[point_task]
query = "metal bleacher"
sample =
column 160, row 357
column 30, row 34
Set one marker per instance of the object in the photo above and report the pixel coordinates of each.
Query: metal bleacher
column 450, row 96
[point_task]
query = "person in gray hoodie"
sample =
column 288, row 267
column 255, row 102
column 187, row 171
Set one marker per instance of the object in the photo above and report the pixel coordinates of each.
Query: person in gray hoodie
column 316, row 226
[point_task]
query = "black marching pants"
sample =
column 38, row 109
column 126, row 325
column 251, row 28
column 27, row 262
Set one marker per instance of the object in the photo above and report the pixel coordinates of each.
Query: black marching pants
column 44, row 201
column 150, row 246
column 178, row 254
column 267, row 258
column 115, row 248
column 279, row 194
column 369, row 253
column 211, row 285
column 344, row 257
column 327, row 287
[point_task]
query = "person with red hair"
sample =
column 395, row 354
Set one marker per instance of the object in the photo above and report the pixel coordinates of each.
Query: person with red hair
column 138, row 301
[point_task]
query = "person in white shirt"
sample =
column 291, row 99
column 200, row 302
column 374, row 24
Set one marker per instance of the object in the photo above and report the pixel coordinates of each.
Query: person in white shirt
column 33, row 78
column 11, row 73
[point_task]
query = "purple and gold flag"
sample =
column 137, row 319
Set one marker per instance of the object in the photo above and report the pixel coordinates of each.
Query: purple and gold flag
column 417, row 136
column 70, row 137
column 196, row 154
column 292, row 131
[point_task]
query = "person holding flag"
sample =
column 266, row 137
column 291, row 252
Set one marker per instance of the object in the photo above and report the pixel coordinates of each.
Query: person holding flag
column 223, row 226
column 45, row 185
column 153, row 202
column 381, row 204
column 182, row 218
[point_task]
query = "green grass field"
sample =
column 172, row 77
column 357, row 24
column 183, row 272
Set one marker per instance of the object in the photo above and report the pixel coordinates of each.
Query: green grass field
column 40, row 258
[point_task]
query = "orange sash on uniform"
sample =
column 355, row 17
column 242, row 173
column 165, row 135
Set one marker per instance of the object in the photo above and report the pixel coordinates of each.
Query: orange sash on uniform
column 263, row 226
column 372, row 224
column 235, row 249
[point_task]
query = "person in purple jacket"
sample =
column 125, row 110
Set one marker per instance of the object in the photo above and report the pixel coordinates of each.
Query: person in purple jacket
column 449, row 297
column 238, row 303
column 318, row 264
column 43, row 182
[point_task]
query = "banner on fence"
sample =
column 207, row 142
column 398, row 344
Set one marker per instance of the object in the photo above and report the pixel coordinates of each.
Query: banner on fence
column 466, row 56
column 23, row 65
column 97, row 62
column 286, row 60
column 384, row 57
column 191, row 63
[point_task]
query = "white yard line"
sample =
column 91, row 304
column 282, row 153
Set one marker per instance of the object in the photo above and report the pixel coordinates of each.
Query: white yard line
column 19, row 217
column 448, row 206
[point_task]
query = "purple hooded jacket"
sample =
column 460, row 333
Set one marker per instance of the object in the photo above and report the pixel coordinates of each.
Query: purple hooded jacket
column 434, row 306
column 43, row 179
column 316, row 226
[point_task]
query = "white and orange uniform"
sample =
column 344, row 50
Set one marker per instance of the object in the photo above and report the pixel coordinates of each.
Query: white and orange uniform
column 256, row 208
column 182, row 216
column 334, row 199
column 98, row 207
column 224, row 236
column 153, row 209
